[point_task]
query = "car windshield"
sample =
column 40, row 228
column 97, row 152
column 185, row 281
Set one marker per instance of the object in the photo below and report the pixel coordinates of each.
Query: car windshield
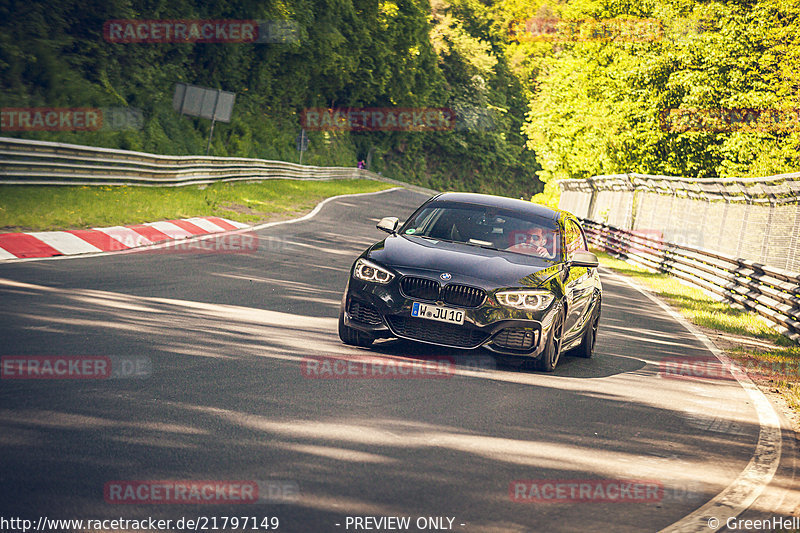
column 487, row 227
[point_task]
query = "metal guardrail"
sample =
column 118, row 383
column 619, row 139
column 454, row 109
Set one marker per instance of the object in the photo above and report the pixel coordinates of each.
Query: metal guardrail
column 778, row 189
column 751, row 218
column 771, row 292
column 27, row 162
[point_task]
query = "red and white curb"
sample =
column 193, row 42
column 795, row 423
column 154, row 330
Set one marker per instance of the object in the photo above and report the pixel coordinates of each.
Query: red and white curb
column 115, row 238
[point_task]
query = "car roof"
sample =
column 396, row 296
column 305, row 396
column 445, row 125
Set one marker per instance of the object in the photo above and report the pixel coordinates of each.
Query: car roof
column 503, row 203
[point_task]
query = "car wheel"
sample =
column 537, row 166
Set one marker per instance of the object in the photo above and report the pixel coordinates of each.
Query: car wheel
column 352, row 336
column 552, row 352
column 586, row 347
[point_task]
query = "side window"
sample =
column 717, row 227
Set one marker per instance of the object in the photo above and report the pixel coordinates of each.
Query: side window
column 574, row 238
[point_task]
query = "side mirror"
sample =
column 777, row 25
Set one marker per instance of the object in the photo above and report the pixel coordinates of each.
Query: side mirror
column 584, row 259
column 388, row 224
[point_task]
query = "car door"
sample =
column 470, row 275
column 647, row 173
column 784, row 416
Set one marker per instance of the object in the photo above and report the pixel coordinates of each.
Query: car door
column 579, row 282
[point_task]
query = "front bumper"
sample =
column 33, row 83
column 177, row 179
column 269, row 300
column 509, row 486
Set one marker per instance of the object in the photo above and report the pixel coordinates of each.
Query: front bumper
column 384, row 311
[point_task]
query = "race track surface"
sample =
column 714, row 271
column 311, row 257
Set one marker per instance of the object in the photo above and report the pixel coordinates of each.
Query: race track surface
column 224, row 338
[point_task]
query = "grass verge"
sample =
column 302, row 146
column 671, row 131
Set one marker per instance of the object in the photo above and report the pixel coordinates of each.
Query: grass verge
column 771, row 360
column 43, row 208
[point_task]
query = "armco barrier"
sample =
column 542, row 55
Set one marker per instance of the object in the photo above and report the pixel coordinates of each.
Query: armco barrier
column 771, row 292
column 753, row 218
column 27, row 162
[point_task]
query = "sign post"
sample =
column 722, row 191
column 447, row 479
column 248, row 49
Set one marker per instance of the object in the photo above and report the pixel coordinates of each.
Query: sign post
column 213, row 120
column 302, row 143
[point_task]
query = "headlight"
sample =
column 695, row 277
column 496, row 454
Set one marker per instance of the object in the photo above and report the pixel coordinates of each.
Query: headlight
column 530, row 300
column 369, row 271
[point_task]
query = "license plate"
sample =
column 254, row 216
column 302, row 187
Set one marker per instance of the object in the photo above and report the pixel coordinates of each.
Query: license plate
column 436, row 312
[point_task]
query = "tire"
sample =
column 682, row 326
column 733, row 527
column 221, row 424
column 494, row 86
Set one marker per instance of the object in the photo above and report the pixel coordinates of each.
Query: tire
column 586, row 348
column 549, row 359
column 353, row 337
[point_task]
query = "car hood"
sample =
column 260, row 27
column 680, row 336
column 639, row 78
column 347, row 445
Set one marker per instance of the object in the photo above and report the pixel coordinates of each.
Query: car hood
column 465, row 263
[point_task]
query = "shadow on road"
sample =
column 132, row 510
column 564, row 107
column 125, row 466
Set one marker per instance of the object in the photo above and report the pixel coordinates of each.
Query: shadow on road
column 227, row 399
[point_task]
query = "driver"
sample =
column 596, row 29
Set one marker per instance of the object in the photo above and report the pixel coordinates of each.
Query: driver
column 535, row 243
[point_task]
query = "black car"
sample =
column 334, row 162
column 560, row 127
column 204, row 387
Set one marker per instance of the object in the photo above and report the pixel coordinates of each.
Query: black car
column 473, row 270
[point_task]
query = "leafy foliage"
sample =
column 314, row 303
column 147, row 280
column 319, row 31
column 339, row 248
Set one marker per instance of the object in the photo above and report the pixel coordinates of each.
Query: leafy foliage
column 530, row 108
column 596, row 102
column 359, row 53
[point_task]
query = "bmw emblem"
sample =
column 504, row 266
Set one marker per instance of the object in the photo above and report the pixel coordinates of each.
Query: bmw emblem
column 445, row 276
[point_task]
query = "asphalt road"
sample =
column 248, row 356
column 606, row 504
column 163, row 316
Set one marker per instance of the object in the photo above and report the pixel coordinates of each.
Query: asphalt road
column 224, row 338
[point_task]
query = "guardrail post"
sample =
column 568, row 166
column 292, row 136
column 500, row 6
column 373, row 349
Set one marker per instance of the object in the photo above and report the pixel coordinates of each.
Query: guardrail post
column 592, row 200
column 652, row 211
column 765, row 240
column 630, row 216
column 743, row 226
column 793, row 259
column 672, row 198
column 724, row 219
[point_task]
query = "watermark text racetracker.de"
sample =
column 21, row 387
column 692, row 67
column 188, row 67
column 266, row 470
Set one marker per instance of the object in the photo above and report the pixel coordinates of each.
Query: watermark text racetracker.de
column 243, row 242
column 624, row 29
column 79, row 367
column 419, row 119
column 729, row 120
column 560, row 491
column 70, row 119
column 376, row 367
column 697, row 368
column 202, row 492
column 195, row 523
column 238, row 242
column 200, row 31
column 585, row 490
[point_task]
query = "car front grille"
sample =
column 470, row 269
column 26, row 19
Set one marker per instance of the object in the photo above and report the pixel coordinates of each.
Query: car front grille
column 436, row 332
column 422, row 288
column 453, row 294
column 516, row 338
column 364, row 313
column 463, row 295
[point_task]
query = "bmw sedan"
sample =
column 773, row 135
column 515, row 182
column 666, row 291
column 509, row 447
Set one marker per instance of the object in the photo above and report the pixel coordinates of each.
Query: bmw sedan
column 471, row 270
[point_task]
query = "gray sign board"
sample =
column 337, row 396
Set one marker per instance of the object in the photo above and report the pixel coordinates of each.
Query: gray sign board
column 202, row 102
